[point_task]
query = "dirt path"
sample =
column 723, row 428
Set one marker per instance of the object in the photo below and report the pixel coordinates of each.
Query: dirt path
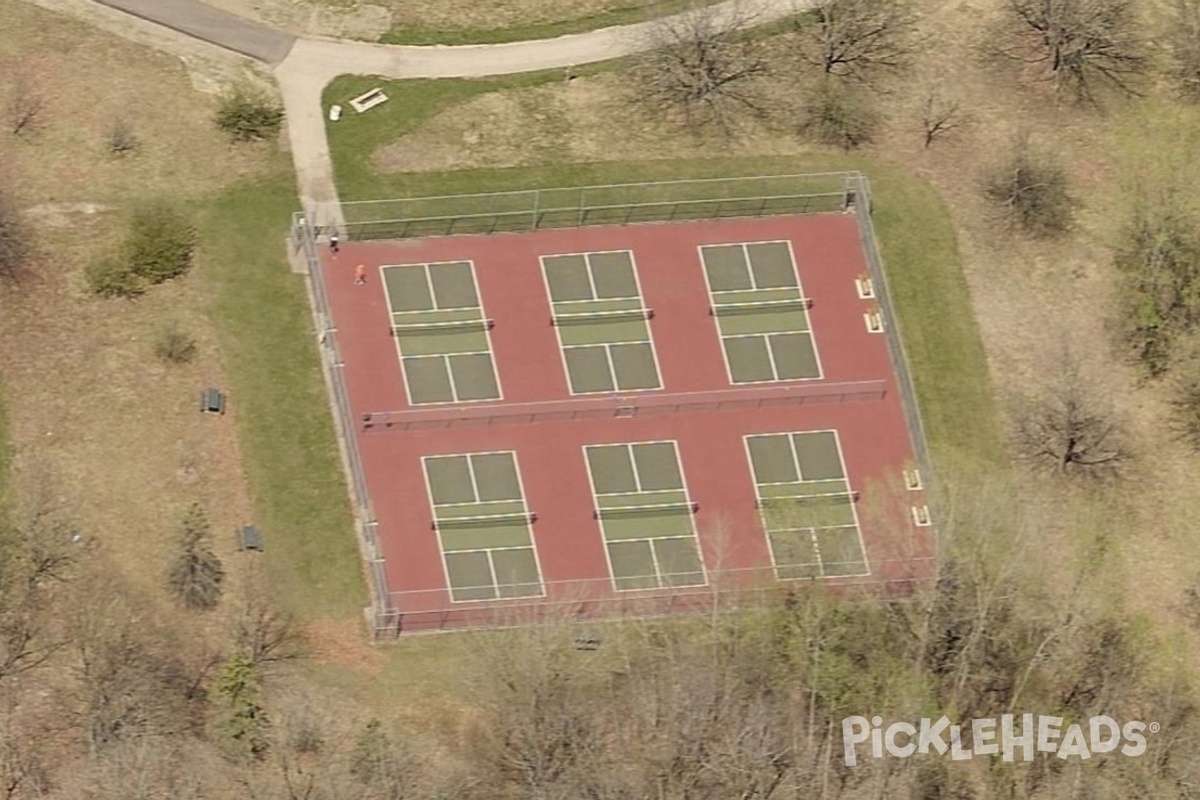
column 304, row 66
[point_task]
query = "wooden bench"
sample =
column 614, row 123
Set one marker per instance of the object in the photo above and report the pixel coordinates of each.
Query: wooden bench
column 365, row 102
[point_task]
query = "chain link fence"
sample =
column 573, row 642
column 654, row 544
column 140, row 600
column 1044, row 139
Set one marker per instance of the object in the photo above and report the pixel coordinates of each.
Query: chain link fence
column 392, row 613
column 615, row 204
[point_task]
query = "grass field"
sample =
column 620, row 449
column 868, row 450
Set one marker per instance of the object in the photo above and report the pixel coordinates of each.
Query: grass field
column 269, row 353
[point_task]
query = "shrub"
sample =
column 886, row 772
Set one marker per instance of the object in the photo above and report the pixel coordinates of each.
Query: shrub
column 243, row 722
column 839, row 116
column 174, row 345
column 1031, row 189
column 110, row 276
column 248, row 115
column 121, row 138
column 160, row 243
column 1158, row 256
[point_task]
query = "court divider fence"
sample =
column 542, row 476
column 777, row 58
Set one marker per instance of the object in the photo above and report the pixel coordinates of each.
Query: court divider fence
column 393, row 613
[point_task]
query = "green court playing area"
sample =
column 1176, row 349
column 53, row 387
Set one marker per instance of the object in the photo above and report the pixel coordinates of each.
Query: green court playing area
column 761, row 312
column 806, row 504
column 601, row 321
column 441, row 333
column 645, row 513
column 483, row 526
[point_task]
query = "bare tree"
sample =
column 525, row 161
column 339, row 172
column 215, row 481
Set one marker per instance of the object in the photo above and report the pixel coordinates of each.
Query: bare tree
column 133, row 674
column 1068, row 426
column 264, row 634
column 860, row 38
column 1183, row 41
column 26, row 100
column 23, row 766
column 384, row 765
column 1185, row 392
column 1030, row 188
column 14, row 249
column 700, row 66
column 1079, row 45
column 940, row 111
column 33, row 557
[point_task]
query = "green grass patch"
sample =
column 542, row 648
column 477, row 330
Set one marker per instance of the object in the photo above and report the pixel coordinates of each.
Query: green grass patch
column 354, row 139
column 621, row 15
column 277, row 391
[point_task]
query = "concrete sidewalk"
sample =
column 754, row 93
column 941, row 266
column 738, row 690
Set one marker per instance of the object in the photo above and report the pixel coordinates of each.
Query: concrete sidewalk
column 213, row 26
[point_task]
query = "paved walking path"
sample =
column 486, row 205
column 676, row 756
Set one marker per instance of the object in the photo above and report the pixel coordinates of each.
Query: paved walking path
column 213, row 26
column 305, row 66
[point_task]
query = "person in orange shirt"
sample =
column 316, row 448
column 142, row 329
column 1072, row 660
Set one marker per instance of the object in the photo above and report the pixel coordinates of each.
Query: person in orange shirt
column 360, row 275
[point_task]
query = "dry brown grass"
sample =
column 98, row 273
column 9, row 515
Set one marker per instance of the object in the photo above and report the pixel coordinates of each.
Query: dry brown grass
column 91, row 80
column 116, row 433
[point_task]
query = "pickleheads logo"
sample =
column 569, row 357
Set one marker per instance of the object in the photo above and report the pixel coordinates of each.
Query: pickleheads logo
column 990, row 737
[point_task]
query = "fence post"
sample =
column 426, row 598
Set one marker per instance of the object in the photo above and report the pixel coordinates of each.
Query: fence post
column 537, row 203
column 582, row 204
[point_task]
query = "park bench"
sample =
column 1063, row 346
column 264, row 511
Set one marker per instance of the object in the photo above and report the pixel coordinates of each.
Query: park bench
column 212, row 401
column 248, row 538
column 369, row 100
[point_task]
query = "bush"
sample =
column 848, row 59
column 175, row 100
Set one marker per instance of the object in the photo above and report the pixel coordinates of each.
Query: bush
column 174, row 345
column 248, row 115
column 121, row 138
column 839, row 117
column 1158, row 256
column 160, row 244
column 1031, row 189
column 110, row 276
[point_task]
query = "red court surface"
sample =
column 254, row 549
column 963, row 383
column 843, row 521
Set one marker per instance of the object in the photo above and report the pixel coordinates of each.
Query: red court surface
column 570, row 550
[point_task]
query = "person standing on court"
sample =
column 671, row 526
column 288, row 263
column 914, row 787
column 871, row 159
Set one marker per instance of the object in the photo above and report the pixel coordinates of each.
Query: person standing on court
column 360, row 275
column 334, row 243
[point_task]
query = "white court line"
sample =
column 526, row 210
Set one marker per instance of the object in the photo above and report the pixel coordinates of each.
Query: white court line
column 693, row 536
column 820, row 563
column 442, row 552
column 723, row 337
column 563, row 348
